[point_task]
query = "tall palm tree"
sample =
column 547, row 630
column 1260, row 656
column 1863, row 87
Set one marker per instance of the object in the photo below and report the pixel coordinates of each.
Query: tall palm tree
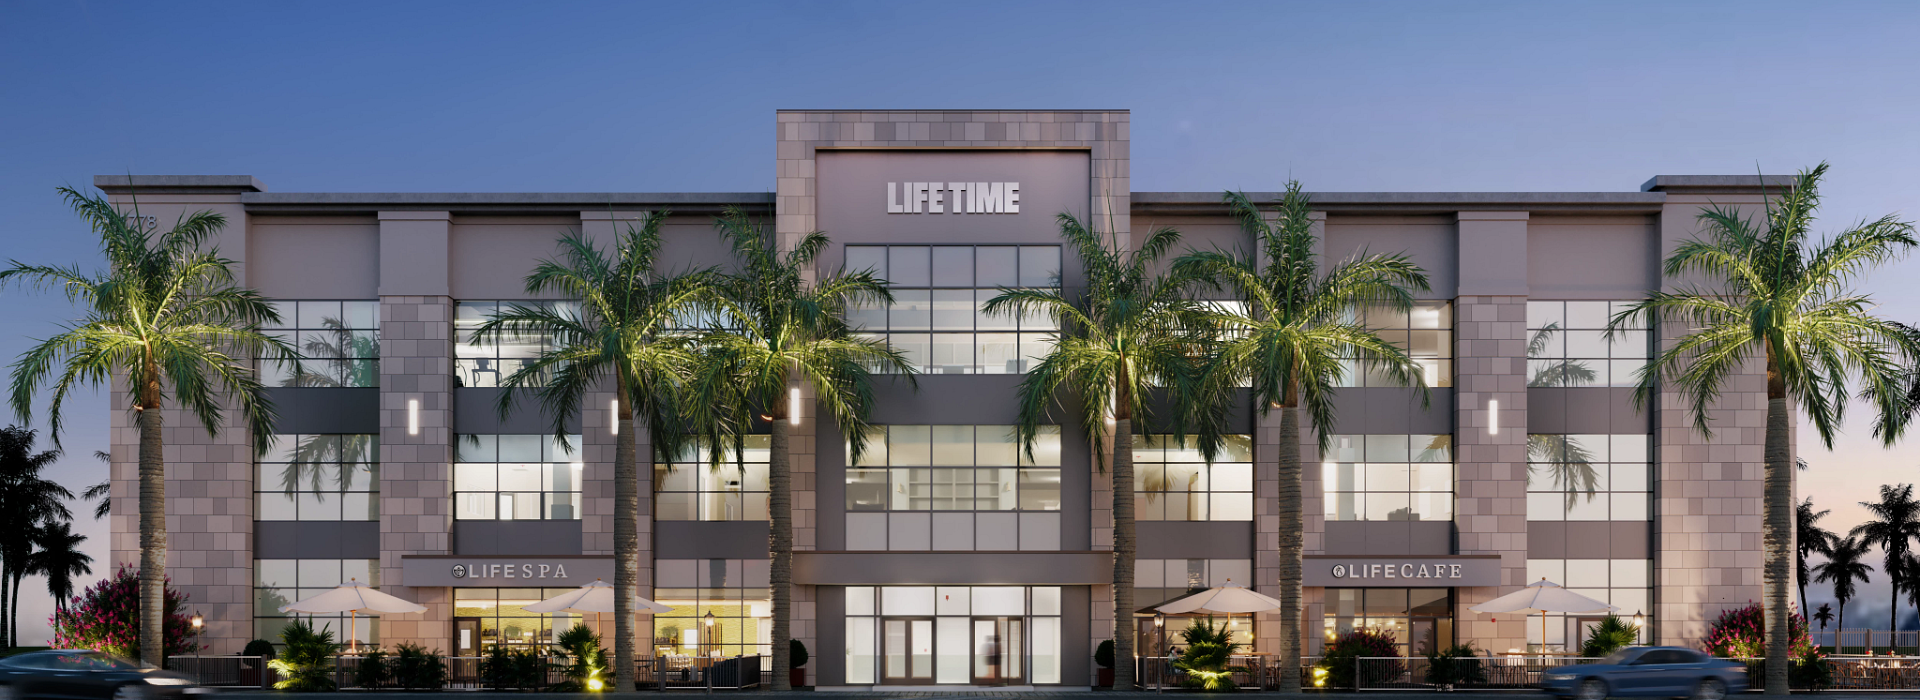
column 1130, row 331
column 1290, row 344
column 1780, row 297
column 59, row 559
column 769, row 327
column 1845, row 565
column 26, row 500
column 1893, row 525
column 624, row 333
column 1809, row 538
column 166, row 315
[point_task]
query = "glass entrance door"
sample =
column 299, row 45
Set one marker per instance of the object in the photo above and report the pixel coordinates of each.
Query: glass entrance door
column 908, row 649
column 999, row 650
column 466, row 636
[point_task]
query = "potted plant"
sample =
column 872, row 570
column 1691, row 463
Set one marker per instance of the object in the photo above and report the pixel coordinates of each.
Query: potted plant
column 798, row 657
column 1104, row 657
column 1206, row 659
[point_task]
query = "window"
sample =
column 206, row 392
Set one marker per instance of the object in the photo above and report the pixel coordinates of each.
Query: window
column 1157, row 581
column 338, row 343
column 1389, row 477
column 277, row 582
column 971, row 478
column 516, row 477
column 503, row 620
column 1589, row 477
column 1420, row 619
column 735, row 591
column 968, row 623
column 1626, row 584
column 691, row 488
column 491, row 362
column 935, row 318
column 1176, row 483
column 1567, row 345
column 319, row 477
column 1425, row 334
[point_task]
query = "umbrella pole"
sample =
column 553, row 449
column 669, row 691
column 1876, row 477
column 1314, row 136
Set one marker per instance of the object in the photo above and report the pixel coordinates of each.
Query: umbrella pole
column 353, row 625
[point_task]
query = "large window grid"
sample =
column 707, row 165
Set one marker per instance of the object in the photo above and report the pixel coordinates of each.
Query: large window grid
column 1389, row 477
column 953, row 610
column 1425, row 334
column 338, row 344
column 504, row 620
column 1157, row 581
column 490, row 362
column 1589, row 477
column 277, row 582
column 1627, row 584
column 1567, row 345
column 692, row 488
column 319, row 477
column 954, row 487
column 516, row 477
column 935, row 319
column 1177, row 484
column 735, row 591
column 1419, row 619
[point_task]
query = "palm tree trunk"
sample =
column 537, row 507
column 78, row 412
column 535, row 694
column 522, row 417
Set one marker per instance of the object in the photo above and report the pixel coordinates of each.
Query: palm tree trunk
column 6, row 574
column 780, row 536
column 1839, row 625
column 626, row 541
column 1124, row 547
column 153, row 537
column 1291, row 549
column 13, row 611
column 1777, row 539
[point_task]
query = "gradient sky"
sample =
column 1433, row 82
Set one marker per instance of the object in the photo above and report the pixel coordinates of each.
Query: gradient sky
column 587, row 97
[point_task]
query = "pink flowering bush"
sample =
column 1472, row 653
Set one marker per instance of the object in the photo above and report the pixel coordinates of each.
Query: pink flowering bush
column 106, row 617
column 1742, row 634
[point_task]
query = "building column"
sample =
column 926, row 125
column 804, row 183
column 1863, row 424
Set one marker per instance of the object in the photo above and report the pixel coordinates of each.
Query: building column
column 1490, row 417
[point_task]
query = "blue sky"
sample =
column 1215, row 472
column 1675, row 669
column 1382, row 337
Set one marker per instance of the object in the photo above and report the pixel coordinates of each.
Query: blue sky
column 656, row 97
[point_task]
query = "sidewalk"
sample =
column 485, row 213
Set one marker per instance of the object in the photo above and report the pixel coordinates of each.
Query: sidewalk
column 983, row 694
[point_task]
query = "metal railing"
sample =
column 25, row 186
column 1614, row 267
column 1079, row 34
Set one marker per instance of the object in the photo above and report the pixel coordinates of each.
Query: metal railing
column 710, row 673
column 1250, row 672
column 225, row 671
column 1477, row 672
column 463, row 672
column 1860, row 641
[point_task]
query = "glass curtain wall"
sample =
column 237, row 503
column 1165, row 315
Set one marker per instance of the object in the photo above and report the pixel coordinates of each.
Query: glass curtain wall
column 952, row 634
column 516, row 477
column 691, row 487
column 319, row 477
column 1177, row 483
column 338, row 343
column 935, row 318
column 735, row 591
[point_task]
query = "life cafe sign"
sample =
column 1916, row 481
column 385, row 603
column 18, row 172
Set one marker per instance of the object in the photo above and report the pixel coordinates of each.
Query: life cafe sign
column 1403, row 572
column 508, row 572
column 953, row 198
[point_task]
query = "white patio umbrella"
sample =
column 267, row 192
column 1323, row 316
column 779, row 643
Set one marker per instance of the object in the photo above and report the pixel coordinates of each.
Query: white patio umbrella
column 353, row 598
column 596, row 598
column 1543, row 596
column 1227, row 599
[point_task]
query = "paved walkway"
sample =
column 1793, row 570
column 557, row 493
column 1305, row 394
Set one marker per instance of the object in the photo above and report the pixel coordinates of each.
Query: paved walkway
column 983, row 694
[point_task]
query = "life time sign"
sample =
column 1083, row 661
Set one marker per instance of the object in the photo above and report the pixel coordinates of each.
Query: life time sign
column 552, row 572
column 953, row 198
column 1403, row 572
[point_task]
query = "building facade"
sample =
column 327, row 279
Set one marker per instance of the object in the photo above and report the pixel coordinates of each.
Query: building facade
column 946, row 556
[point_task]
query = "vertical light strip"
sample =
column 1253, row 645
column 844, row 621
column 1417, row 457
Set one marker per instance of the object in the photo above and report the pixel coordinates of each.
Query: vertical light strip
column 613, row 415
column 413, row 416
column 1493, row 416
column 793, row 406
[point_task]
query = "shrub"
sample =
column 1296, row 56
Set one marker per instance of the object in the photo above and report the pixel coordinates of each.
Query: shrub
column 258, row 647
column 798, row 656
column 1456, row 665
column 1209, row 648
column 1742, row 634
column 1611, row 635
column 1103, row 655
column 304, row 665
column 505, row 669
column 589, row 660
column 373, row 672
column 1337, row 659
column 415, row 668
column 106, row 617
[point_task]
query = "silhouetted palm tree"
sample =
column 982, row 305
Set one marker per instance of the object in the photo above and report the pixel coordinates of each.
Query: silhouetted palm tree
column 1809, row 538
column 26, row 501
column 1894, row 524
column 102, row 491
column 1845, row 565
column 59, row 559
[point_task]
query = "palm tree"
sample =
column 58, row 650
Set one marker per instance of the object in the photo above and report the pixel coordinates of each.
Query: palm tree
column 59, row 559
column 1823, row 616
column 26, row 501
column 1780, row 297
column 1845, row 565
column 167, row 316
column 1288, row 344
column 1564, row 462
column 102, row 491
column 1561, row 371
column 769, row 327
column 1130, row 331
column 623, row 333
column 1809, row 538
column 1893, row 525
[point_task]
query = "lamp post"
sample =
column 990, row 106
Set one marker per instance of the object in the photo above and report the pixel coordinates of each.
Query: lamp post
column 1639, row 626
column 197, row 621
column 1160, row 632
column 708, row 620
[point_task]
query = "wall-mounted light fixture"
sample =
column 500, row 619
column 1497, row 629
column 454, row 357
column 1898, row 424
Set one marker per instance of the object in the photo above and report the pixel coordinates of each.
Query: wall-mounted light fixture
column 613, row 415
column 1493, row 416
column 413, row 416
column 793, row 405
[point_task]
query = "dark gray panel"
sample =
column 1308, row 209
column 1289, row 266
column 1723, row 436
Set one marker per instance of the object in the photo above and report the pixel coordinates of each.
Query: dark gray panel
column 1626, row 418
column 325, row 410
column 1393, row 410
column 1430, row 537
column 954, row 568
column 1547, row 410
column 476, row 412
column 1239, row 418
column 948, row 399
column 1632, row 540
column 1588, row 410
column 516, row 537
column 1546, row 540
column 1396, row 537
column 1184, row 540
column 830, row 608
column 830, row 485
column 690, row 539
column 1589, row 540
column 1076, row 651
column 313, row 539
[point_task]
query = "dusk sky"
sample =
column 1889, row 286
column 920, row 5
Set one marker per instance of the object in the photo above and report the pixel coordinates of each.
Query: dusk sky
column 580, row 97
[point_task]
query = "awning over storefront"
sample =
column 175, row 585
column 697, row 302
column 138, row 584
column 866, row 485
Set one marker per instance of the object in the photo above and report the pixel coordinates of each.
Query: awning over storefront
column 955, row 568
column 1442, row 571
column 504, row 572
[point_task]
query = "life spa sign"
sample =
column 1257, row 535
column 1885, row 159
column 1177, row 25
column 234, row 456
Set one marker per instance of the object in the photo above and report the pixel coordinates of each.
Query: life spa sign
column 953, row 198
column 507, row 572
column 1403, row 572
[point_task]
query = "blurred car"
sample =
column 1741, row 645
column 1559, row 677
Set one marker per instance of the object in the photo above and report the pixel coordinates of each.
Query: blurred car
column 1663, row 672
column 77, row 674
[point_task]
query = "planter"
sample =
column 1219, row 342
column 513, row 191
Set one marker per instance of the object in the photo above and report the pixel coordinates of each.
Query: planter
column 797, row 677
column 1105, row 678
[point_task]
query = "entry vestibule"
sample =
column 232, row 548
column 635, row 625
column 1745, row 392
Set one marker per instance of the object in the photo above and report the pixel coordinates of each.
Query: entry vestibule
column 925, row 635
